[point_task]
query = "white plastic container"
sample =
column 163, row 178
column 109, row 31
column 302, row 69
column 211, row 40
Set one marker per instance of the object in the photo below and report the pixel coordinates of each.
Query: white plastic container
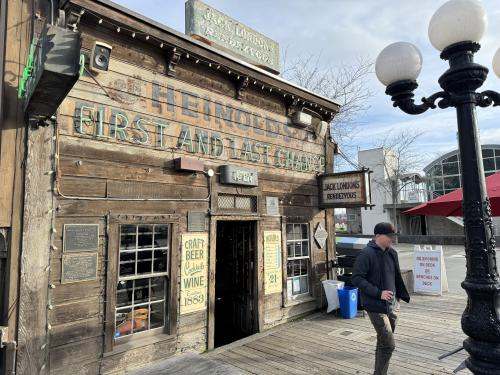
column 331, row 287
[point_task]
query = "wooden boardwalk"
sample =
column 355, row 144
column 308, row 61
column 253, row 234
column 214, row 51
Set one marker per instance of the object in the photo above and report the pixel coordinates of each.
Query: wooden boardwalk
column 326, row 344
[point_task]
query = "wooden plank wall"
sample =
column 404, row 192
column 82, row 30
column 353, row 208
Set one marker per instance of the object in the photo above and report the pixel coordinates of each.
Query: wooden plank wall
column 105, row 168
column 12, row 153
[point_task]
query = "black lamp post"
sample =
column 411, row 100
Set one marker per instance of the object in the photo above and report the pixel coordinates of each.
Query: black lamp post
column 455, row 29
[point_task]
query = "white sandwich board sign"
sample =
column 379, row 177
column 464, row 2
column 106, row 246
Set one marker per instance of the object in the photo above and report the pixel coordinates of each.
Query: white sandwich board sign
column 429, row 271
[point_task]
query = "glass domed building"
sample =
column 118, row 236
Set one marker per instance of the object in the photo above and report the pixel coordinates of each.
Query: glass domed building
column 443, row 174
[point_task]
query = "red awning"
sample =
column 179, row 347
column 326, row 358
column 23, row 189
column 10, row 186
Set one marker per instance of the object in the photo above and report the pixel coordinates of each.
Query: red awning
column 451, row 204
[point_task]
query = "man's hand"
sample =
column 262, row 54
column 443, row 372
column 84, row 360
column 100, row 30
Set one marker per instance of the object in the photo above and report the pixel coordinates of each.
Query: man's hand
column 386, row 295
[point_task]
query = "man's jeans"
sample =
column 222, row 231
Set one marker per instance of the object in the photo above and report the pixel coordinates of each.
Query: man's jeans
column 384, row 325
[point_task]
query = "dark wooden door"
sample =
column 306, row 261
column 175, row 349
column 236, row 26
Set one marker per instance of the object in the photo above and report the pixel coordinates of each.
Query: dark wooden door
column 234, row 281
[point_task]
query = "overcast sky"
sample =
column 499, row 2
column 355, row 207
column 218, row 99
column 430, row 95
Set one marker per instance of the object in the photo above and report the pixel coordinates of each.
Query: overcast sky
column 342, row 31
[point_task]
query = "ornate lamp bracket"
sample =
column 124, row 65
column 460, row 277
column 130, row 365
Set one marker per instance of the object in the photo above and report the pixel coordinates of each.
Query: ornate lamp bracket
column 401, row 93
column 487, row 98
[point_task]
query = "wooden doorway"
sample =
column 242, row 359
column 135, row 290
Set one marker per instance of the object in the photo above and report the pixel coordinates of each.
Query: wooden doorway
column 235, row 281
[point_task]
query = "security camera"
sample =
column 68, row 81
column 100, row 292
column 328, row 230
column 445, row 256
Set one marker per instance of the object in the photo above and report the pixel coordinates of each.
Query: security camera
column 99, row 59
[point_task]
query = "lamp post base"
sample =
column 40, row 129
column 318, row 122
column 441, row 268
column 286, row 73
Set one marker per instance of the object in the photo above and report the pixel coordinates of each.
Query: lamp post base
column 484, row 357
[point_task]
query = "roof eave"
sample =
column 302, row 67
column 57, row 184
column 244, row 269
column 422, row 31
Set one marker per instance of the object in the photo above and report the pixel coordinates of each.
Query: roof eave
column 194, row 47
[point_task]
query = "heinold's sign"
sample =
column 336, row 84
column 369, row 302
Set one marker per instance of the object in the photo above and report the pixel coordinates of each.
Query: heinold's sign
column 172, row 116
column 346, row 189
column 214, row 26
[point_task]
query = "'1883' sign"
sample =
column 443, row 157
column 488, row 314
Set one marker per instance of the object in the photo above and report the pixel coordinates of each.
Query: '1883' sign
column 194, row 267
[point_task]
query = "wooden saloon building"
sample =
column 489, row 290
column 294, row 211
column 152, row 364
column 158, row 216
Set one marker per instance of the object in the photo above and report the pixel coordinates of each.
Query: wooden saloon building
column 170, row 204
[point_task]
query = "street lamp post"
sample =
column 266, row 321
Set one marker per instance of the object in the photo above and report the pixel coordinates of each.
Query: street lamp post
column 455, row 30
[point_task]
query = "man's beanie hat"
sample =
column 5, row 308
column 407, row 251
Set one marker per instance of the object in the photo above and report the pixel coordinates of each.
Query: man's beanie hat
column 384, row 228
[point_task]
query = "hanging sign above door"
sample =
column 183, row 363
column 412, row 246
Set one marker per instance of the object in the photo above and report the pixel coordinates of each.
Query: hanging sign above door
column 345, row 189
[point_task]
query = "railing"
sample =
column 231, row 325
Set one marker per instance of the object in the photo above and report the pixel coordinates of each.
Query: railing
column 413, row 196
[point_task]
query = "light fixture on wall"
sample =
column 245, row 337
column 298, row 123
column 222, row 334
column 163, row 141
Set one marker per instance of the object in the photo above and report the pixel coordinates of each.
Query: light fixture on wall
column 301, row 119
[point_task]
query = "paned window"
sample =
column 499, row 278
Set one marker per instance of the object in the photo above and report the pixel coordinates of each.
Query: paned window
column 141, row 300
column 298, row 258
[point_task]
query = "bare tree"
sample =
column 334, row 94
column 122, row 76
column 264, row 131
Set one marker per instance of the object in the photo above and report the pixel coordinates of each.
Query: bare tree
column 400, row 159
column 345, row 83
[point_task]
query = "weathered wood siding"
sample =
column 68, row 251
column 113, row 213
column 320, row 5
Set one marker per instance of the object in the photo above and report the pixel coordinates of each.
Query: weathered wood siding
column 122, row 146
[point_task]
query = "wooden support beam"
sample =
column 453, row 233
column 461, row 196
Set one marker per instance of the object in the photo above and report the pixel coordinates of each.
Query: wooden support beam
column 241, row 87
column 174, row 56
column 33, row 349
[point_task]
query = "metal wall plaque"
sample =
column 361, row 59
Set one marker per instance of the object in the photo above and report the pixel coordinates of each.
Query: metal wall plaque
column 272, row 206
column 208, row 23
column 197, row 221
column 81, row 237
column 231, row 174
column 79, row 267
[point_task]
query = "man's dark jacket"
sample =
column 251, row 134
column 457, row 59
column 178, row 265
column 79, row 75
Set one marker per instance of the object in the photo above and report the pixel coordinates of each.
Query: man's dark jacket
column 368, row 277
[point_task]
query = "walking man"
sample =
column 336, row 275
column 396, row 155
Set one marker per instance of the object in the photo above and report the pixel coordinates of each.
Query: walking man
column 376, row 273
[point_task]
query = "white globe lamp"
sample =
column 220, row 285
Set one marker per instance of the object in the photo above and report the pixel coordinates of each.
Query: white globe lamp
column 398, row 61
column 496, row 63
column 457, row 21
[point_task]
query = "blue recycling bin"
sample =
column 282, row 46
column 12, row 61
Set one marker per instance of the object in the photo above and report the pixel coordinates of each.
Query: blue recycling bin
column 348, row 301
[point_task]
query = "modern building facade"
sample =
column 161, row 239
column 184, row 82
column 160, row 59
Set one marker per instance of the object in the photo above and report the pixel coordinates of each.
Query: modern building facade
column 361, row 220
column 443, row 174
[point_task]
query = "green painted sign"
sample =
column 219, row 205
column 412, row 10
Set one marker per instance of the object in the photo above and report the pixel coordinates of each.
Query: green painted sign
column 117, row 125
column 210, row 24
column 29, row 69
column 52, row 67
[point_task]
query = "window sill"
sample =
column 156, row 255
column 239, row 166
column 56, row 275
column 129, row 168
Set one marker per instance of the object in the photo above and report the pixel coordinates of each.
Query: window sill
column 138, row 343
column 298, row 300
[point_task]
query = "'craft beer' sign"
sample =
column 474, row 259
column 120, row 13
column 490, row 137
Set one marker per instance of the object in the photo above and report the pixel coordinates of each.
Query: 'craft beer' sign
column 194, row 267
column 347, row 189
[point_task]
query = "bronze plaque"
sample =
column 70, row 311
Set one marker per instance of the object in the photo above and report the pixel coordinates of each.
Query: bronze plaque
column 79, row 267
column 81, row 237
column 197, row 221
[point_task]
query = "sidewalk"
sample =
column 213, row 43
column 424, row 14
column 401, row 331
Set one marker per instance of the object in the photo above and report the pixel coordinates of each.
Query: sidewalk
column 326, row 344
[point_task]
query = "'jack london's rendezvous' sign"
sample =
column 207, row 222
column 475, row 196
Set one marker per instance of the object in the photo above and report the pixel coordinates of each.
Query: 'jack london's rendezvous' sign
column 346, row 189
column 214, row 26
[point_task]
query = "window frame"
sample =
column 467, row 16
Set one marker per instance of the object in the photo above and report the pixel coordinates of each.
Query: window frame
column 307, row 295
column 169, row 330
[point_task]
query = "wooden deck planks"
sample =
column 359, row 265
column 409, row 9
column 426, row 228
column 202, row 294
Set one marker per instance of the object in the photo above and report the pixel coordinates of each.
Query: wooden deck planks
column 325, row 344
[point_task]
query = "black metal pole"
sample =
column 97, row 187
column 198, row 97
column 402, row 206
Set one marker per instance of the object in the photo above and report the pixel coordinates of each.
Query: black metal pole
column 481, row 318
